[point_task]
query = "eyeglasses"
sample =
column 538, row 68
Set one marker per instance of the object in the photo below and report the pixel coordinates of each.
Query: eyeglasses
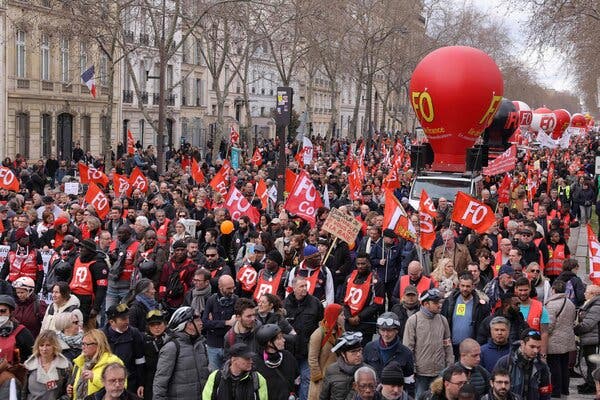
column 116, row 381
column 4, row 311
column 84, row 344
column 459, row 383
column 210, row 255
column 76, row 322
column 537, row 271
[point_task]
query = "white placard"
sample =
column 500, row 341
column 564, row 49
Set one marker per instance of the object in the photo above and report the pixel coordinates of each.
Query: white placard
column 72, row 188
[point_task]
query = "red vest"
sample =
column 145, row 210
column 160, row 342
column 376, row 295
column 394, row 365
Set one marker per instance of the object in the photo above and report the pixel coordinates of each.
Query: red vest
column 497, row 262
column 311, row 279
column 23, row 265
column 357, row 293
column 535, row 314
column 268, row 285
column 129, row 257
column 8, row 346
column 555, row 262
column 247, row 277
column 161, row 232
column 423, row 285
column 82, row 280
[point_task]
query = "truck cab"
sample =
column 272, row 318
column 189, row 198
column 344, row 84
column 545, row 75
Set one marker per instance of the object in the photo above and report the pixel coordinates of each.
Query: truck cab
column 444, row 184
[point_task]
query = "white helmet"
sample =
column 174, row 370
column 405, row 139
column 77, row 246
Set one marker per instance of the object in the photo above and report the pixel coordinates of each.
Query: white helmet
column 24, row 282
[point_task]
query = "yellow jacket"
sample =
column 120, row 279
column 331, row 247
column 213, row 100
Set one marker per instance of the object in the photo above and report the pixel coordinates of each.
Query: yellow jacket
column 96, row 383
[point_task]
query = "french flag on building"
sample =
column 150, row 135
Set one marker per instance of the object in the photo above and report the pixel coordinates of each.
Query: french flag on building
column 88, row 79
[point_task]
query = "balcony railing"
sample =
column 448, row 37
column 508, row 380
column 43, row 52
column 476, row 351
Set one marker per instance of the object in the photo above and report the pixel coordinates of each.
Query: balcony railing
column 171, row 100
column 144, row 97
column 127, row 96
column 22, row 83
column 47, row 85
column 67, row 88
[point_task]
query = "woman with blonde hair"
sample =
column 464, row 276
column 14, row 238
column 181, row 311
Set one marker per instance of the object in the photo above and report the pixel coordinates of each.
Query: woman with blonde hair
column 48, row 371
column 445, row 275
column 87, row 371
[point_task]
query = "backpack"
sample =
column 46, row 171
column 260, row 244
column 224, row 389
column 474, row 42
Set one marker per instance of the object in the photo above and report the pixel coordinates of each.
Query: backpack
column 175, row 286
column 570, row 291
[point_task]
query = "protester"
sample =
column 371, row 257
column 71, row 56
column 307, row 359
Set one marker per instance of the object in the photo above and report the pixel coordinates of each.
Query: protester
column 337, row 382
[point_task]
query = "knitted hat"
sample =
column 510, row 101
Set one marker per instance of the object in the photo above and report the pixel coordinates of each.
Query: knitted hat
column 275, row 256
column 392, row 374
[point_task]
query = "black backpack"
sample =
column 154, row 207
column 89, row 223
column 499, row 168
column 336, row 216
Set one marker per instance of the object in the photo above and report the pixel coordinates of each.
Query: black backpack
column 175, row 286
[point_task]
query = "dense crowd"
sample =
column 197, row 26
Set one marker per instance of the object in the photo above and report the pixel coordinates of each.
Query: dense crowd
column 168, row 297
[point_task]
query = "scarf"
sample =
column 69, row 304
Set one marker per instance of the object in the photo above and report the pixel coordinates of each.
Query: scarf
column 149, row 303
column 199, row 297
column 386, row 352
column 74, row 341
column 82, row 385
column 427, row 313
column 347, row 369
column 45, row 377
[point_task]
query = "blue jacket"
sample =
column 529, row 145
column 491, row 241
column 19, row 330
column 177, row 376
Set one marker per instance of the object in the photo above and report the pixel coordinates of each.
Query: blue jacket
column 401, row 354
column 491, row 353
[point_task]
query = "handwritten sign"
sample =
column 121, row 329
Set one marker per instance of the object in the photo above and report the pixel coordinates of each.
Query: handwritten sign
column 72, row 188
column 342, row 226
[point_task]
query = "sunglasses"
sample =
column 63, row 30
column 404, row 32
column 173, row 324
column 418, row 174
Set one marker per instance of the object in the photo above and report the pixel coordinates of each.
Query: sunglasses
column 211, row 255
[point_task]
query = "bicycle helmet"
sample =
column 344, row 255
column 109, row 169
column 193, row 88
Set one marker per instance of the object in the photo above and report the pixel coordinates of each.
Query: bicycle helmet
column 348, row 341
column 267, row 333
column 180, row 317
column 26, row 283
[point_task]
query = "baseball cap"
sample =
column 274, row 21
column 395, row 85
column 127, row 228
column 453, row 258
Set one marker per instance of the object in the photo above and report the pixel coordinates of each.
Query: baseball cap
column 410, row 289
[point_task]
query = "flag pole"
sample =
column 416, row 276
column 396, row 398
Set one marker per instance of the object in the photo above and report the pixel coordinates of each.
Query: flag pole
column 329, row 251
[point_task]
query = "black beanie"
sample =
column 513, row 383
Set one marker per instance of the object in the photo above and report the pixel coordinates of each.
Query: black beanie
column 275, row 255
column 392, row 374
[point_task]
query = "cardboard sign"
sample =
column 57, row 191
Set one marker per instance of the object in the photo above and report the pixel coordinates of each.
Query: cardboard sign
column 4, row 249
column 342, row 226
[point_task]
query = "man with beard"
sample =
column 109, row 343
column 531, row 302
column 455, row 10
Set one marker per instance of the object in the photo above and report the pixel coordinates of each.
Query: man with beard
column 533, row 311
column 216, row 266
column 61, row 264
column 508, row 309
column 23, row 260
column 409, row 304
column 194, row 253
column 364, row 297
column 176, row 276
column 240, row 236
column 529, row 374
column 497, row 346
column 499, row 286
column 392, row 383
column 277, row 365
column 121, row 253
column 500, row 387
column 244, row 328
column 218, row 317
column 150, row 258
column 319, row 276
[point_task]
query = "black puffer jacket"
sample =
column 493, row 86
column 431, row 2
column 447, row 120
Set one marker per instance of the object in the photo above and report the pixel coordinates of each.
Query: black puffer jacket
column 304, row 315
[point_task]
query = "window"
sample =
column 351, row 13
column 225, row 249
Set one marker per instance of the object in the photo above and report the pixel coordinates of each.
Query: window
column 199, row 92
column 86, row 131
column 198, row 52
column 103, row 71
column 22, row 126
column 45, row 57
column 126, row 80
column 184, row 92
column 83, row 58
column 64, row 60
column 169, row 77
column 142, row 126
column 46, row 125
column 21, row 53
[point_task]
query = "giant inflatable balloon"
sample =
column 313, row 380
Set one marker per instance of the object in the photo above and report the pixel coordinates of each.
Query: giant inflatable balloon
column 502, row 127
column 455, row 93
column 578, row 121
column 525, row 115
column 544, row 119
column 563, row 119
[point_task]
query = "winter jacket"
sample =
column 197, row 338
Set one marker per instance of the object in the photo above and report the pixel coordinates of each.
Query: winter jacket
column 278, row 388
column 52, row 311
column 403, row 314
column 182, row 369
column 517, row 325
column 562, row 314
column 491, row 353
column 217, row 310
column 304, row 315
column 222, row 386
column 137, row 315
column 589, row 318
column 578, row 286
column 319, row 358
column 96, row 383
column 152, row 346
column 30, row 313
column 374, row 355
column 460, row 256
column 99, row 395
column 480, row 310
column 477, row 376
column 63, row 369
column 509, row 396
column 337, row 384
column 539, row 381
column 428, row 338
column 129, row 347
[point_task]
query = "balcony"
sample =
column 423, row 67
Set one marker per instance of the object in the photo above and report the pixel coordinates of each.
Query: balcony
column 128, row 96
column 144, row 97
column 22, row 83
column 66, row 88
column 128, row 36
column 144, row 39
column 49, row 86
column 155, row 99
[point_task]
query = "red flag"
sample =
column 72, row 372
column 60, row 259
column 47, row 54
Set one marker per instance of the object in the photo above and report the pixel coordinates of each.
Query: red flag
column 395, row 218
column 304, row 199
column 261, row 193
column 97, row 199
column 349, row 159
column 257, row 159
column 121, row 185
column 391, row 181
column 220, row 181
column 532, row 185
column 426, row 223
column 90, row 174
column 550, row 177
column 8, row 180
column 197, row 174
column 238, row 205
column 505, row 162
column 593, row 255
column 130, row 143
column 137, row 180
column 354, row 185
column 290, row 180
column 472, row 213
column 504, row 190
column 234, row 136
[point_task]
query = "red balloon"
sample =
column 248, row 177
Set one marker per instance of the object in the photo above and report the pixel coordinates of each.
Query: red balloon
column 563, row 119
column 578, row 121
column 455, row 92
